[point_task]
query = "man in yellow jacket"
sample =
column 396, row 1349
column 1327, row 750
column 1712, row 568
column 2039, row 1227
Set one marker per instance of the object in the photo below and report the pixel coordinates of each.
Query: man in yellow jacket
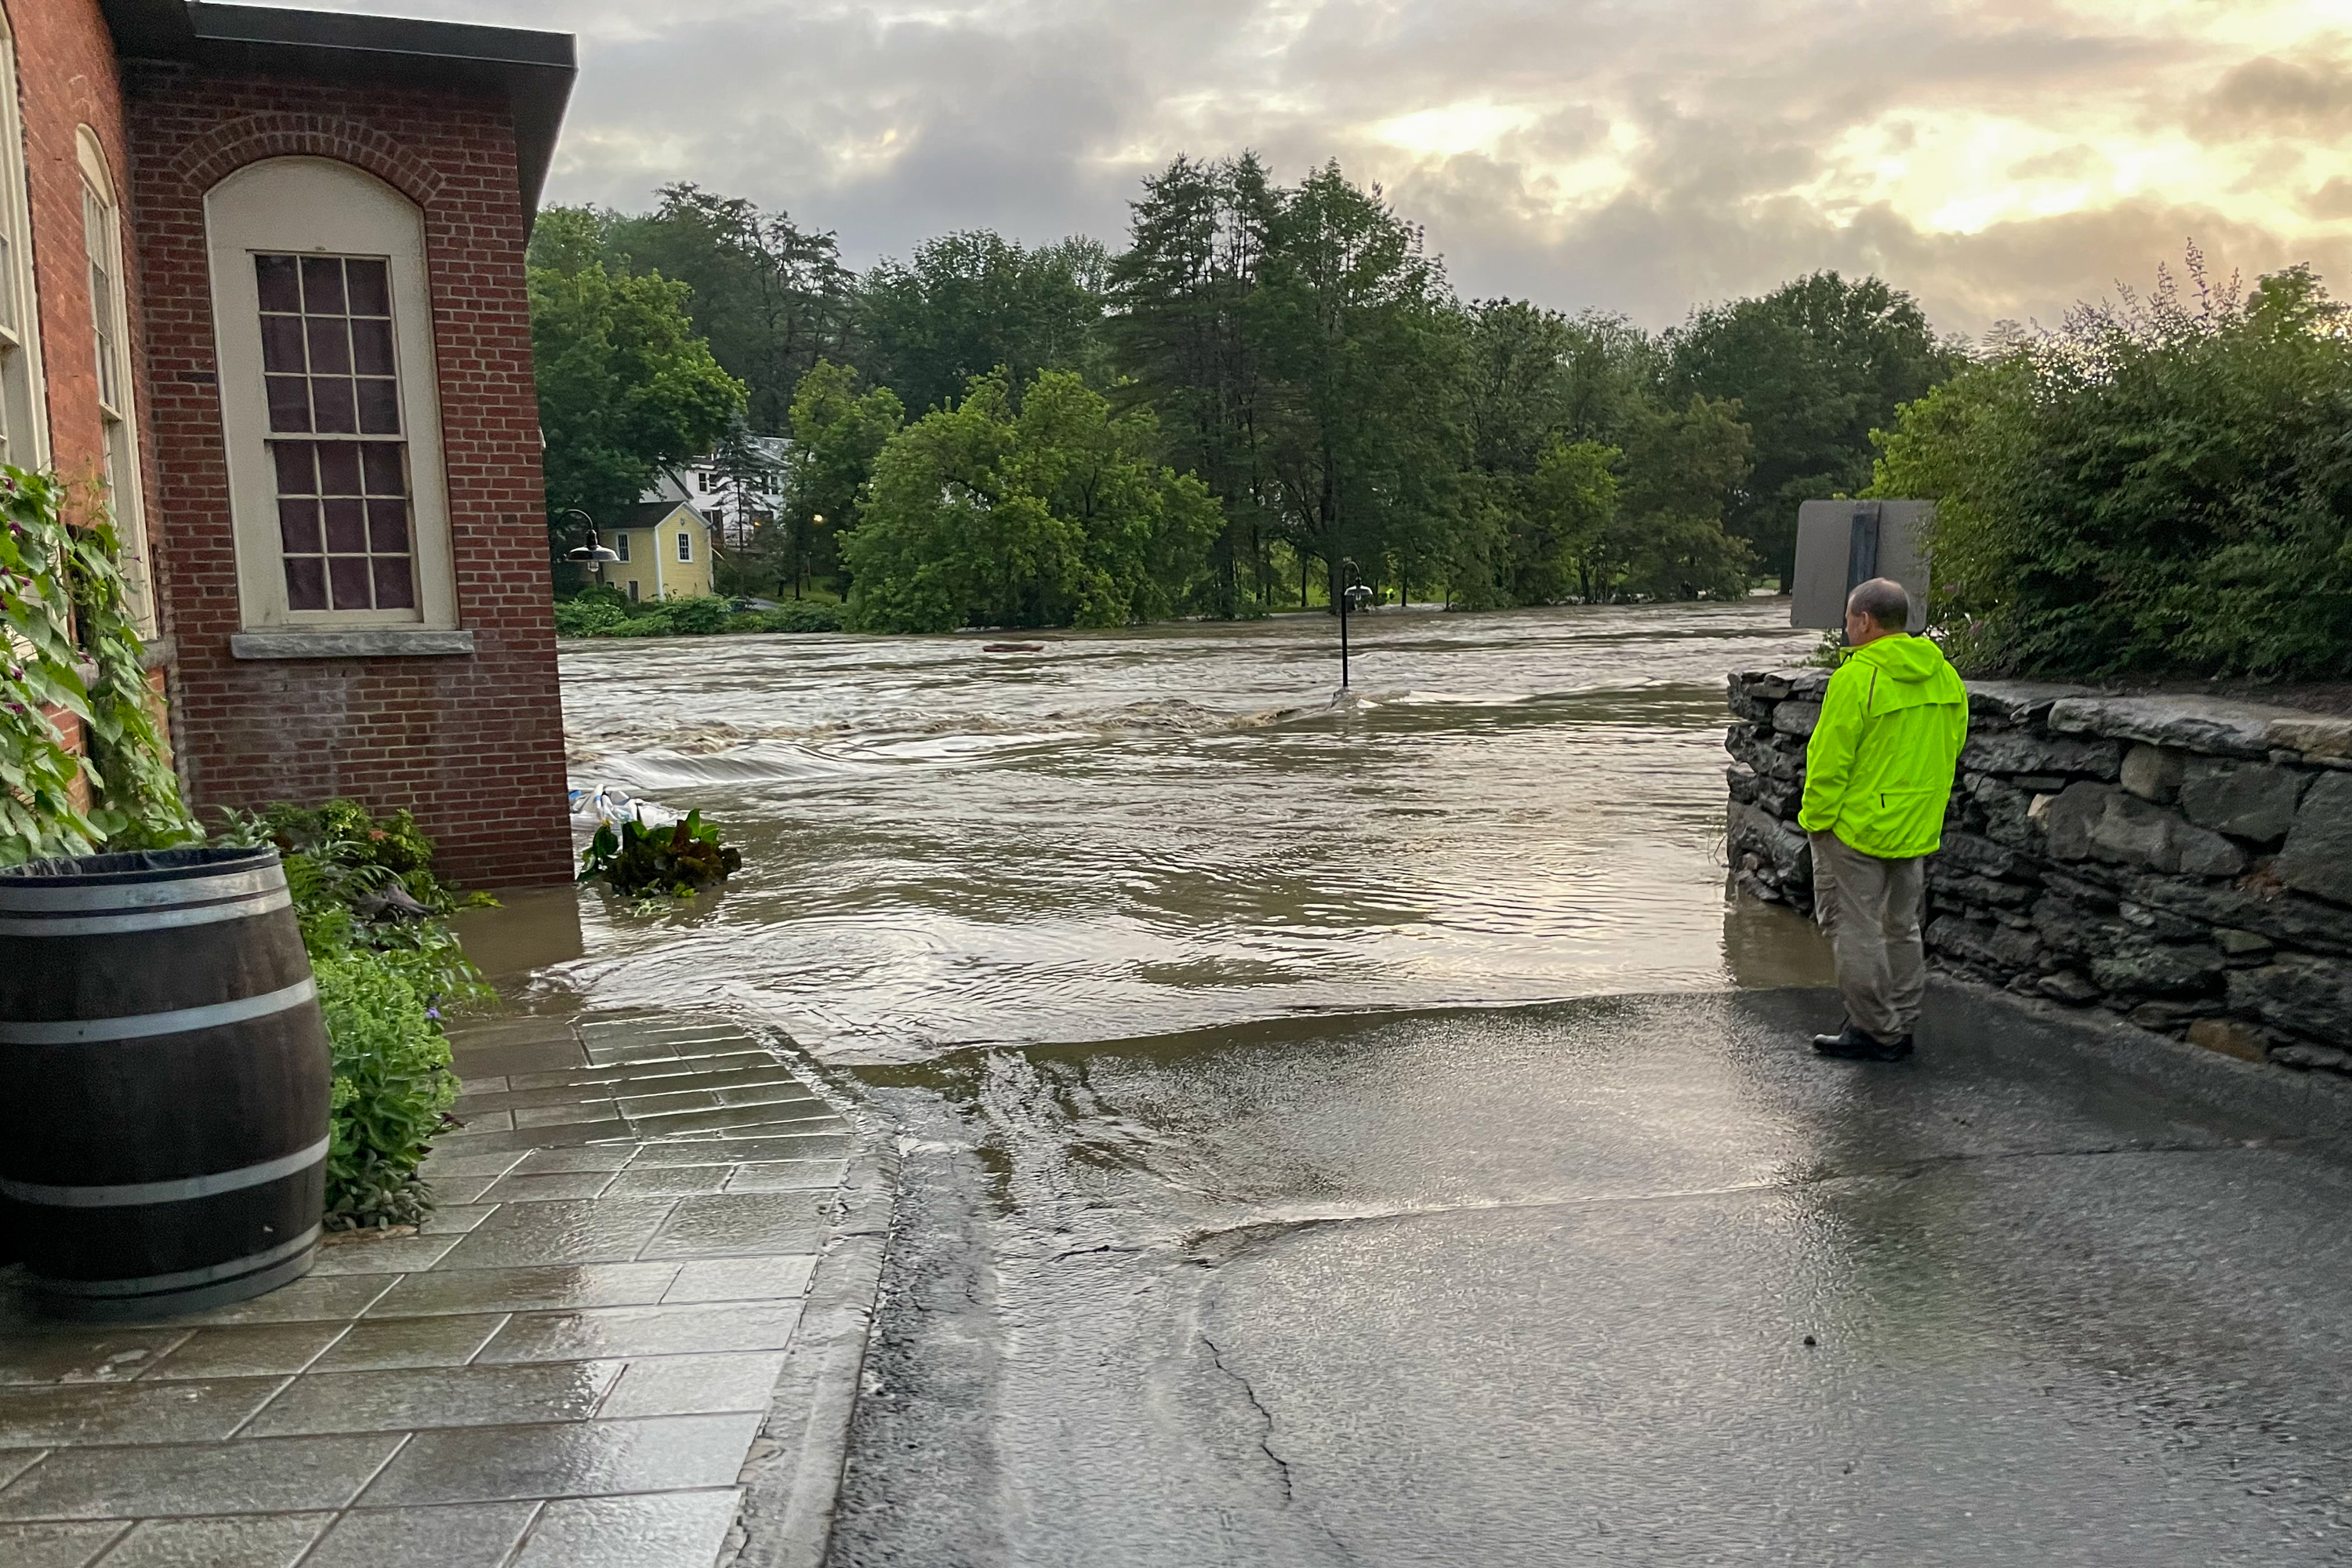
column 1878, row 775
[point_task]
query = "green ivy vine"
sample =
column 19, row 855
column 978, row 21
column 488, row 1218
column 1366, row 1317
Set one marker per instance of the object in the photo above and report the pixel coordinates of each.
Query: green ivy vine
column 72, row 646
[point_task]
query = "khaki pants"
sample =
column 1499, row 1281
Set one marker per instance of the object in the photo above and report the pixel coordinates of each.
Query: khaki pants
column 1870, row 909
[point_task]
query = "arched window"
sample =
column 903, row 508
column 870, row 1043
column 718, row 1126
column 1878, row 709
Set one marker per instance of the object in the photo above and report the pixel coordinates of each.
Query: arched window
column 110, row 311
column 23, row 424
column 329, row 398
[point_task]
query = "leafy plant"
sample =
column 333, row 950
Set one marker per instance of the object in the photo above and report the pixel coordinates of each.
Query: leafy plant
column 137, row 804
column 2159, row 487
column 393, row 1082
column 801, row 615
column 681, row 859
column 368, row 903
column 40, row 670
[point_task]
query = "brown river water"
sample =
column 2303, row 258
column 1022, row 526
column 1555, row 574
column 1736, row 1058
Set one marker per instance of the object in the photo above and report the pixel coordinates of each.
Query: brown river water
column 1130, row 834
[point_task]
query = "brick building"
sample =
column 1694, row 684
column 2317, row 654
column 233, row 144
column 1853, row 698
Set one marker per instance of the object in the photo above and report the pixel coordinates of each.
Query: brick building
column 261, row 279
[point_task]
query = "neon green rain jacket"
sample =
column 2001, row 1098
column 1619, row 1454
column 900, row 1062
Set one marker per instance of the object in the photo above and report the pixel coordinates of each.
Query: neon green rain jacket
column 1878, row 771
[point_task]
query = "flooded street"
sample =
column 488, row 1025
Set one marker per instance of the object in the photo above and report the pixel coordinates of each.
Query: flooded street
column 1364, row 1133
column 1131, row 834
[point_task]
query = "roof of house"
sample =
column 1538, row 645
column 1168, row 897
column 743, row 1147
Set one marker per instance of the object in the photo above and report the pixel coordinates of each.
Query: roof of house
column 533, row 70
column 654, row 514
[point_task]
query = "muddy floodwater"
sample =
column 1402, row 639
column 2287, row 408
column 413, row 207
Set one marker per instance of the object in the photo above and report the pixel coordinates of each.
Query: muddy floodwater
column 1129, row 834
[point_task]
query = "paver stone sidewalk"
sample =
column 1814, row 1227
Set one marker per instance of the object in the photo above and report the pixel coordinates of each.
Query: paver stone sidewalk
column 566, row 1367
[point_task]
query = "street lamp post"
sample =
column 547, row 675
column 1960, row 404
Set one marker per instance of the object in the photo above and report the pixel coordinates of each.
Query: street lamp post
column 592, row 554
column 1353, row 596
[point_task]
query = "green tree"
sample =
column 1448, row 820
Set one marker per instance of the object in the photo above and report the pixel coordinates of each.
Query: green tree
column 1361, row 424
column 2159, row 487
column 625, row 385
column 1180, row 328
column 1815, row 366
column 1682, row 468
column 838, row 433
column 1057, row 513
column 1568, row 543
column 771, row 298
column 966, row 303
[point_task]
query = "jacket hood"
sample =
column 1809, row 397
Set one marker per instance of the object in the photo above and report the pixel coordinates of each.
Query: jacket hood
column 1904, row 657
column 1904, row 672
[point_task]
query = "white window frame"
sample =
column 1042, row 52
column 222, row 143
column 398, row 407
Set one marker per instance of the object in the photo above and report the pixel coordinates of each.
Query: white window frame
column 620, row 544
column 685, row 546
column 117, row 388
column 303, row 206
column 23, row 399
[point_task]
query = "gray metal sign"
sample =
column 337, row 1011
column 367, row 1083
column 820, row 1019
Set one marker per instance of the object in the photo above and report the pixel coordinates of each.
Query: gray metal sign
column 1841, row 544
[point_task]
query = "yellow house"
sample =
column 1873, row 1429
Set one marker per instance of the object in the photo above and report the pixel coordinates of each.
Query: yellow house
column 665, row 551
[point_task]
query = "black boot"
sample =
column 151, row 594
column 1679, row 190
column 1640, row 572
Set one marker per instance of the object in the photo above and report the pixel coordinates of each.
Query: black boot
column 1856, row 1044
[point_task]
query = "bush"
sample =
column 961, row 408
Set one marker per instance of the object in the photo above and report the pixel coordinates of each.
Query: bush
column 368, row 902
column 801, row 615
column 2154, row 490
column 586, row 617
column 393, row 1082
column 680, row 860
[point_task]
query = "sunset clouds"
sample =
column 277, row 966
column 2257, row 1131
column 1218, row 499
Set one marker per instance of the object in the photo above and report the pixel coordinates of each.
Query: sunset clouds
column 1999, row 159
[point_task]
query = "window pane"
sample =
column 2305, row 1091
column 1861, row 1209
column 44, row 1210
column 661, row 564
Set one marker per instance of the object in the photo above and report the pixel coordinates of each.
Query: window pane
column 339, row 467
column 347, row 527
column 306, row 583
column 275, row 276
column 296, row 476
column 388, row 527
column 343, row 517
column 289, row 403
column 384, row 478
column 322, row 285
column 350, row 576
column 371, row 347
column 297, row 526
column 394, row 588
column 379, row 407
column 281, row 344
column 371, row 288
column 330, row 345
column 331, row 400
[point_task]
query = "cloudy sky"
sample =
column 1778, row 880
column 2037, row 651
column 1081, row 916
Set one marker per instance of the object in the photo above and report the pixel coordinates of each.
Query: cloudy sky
column 1999, row 158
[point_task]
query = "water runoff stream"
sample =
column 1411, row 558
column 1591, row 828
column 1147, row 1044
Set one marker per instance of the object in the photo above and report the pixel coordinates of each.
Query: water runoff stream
column 1363, row 1132
column 1130, row 834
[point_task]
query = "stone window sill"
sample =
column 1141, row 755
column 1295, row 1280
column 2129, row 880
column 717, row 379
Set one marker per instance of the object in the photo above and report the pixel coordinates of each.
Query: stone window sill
column 376, row 642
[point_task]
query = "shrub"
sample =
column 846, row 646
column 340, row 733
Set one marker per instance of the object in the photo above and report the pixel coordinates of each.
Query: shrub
column 680, row 860
column 587, row 617
column 393, row 1082
column 697, row 617
column 799, row 615
column 368, row 902
column 2158, row 489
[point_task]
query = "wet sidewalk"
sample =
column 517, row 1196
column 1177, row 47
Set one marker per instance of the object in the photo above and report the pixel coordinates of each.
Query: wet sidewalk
column 601, row 1349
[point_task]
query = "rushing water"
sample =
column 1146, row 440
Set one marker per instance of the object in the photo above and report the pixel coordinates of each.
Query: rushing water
column 1123, row 835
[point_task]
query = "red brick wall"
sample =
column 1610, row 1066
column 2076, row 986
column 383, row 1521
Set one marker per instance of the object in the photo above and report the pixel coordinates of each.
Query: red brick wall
column 66, row 79
column 474, row 746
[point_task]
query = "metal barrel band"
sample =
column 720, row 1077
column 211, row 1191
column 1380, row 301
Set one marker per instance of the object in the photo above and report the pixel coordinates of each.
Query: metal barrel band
column 154, row 1284
column 129, row 1195
column 142, row 1025
column 135, row 921
column 104, row 898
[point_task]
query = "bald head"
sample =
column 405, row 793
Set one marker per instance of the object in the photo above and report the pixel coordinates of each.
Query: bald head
column 1883, row 602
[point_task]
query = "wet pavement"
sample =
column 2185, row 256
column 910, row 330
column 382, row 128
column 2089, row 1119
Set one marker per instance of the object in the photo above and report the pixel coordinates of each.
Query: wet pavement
column 569, row 1365
column 1635, row 1281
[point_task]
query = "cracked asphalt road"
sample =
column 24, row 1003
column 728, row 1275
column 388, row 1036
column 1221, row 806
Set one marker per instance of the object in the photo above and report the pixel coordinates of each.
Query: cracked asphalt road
column 1537, row 1287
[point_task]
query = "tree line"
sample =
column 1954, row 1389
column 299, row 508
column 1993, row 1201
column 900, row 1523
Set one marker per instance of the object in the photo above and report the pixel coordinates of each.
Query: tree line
column 1264, row 381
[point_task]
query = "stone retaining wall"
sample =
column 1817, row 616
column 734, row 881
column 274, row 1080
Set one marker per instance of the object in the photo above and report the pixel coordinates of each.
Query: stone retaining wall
column 2184, row 861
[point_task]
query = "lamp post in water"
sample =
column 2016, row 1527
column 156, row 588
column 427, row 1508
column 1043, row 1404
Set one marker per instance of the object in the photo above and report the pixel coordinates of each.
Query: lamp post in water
column 1353, row 596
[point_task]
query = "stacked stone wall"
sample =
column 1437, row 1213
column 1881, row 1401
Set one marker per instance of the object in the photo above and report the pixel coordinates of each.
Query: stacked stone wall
column 2183, row 861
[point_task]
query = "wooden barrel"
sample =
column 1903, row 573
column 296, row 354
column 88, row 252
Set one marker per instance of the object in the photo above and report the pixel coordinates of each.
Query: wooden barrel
column 163, row 1080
